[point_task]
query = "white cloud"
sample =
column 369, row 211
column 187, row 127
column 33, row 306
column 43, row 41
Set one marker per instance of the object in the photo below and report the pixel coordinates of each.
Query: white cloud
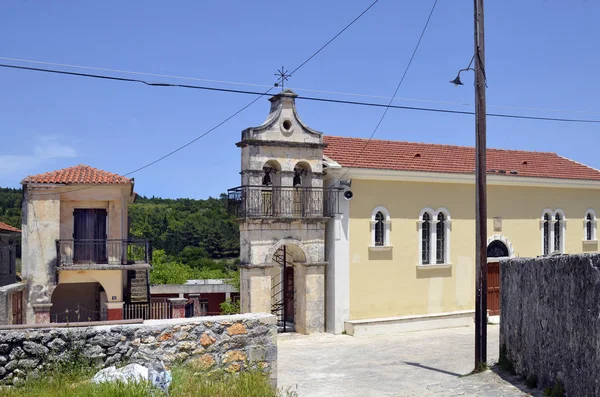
column 46, row 148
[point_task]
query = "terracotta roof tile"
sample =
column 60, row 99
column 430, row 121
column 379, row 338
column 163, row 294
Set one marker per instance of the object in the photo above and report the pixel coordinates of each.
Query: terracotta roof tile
column 8, row 228
column 80, row 174
column 409, row 156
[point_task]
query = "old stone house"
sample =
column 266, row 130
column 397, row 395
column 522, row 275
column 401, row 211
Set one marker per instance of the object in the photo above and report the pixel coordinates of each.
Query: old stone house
column 79, row 263
column 344, row 234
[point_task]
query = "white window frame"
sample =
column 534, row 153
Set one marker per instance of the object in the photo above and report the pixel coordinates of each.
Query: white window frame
column 433, row 215
column 563, row 229
column 386, row 231
column 594, row 224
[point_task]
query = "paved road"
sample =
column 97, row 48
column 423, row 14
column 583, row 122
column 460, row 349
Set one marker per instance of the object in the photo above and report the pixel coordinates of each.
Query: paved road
column 426, row 363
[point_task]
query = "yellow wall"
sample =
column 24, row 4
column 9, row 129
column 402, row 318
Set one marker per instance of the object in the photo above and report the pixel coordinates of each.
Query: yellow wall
column 389, row 283
column 111, row 280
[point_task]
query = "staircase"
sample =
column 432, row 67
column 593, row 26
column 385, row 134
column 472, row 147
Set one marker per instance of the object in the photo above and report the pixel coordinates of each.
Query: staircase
column 281, row 293
column 138, row 287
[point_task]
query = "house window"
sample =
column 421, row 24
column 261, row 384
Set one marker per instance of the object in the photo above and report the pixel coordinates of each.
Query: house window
column 553, row 231
column 441, row 241
column 434, row 233
column 557, row 233
column 546, row 233
column 380, row 228
column 425, row 239
column 590, row 225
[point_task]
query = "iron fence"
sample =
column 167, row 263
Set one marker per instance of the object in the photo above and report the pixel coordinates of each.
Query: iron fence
column 283, row 201
column 102, row 251
column 147, row 311
column 78, row 314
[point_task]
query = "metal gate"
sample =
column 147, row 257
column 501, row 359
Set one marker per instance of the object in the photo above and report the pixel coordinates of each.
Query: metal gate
column 282, row 291
column 493, row 290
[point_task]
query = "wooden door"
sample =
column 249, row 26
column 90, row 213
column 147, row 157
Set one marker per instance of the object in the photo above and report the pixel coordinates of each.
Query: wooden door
column 89, row 236
column 17, row 307
column 493, row 290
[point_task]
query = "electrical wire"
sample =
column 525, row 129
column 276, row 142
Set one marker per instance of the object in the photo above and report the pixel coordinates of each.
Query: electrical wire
column 293, row 87
column 308, row 98
column 387, row 107
column 196, row 87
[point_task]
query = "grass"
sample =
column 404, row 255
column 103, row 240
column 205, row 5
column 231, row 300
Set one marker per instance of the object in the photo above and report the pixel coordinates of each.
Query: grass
column 186, row 383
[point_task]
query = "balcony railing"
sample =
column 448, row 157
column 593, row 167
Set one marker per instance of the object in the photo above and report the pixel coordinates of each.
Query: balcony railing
column 102, row 252
column 8, row 264
column 283, row 202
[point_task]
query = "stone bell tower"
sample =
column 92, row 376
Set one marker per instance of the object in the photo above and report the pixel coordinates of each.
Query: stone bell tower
column 283, row 210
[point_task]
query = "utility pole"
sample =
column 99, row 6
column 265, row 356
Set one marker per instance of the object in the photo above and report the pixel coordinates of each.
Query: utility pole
column 480, row 193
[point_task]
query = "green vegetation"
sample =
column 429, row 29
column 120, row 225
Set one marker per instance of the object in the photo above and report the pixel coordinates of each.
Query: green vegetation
column 186, row 383
column 167, row 270
column 556, row 391
column 229, row 307
column 10, row 206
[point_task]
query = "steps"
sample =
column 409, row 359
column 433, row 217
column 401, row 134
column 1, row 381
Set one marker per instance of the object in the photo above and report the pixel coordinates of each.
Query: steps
column 137, row 286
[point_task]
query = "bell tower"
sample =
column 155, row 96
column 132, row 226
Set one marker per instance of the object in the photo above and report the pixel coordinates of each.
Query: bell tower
column 283, row 209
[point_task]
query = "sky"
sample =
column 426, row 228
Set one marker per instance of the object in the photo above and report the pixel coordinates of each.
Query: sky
column 540, row 54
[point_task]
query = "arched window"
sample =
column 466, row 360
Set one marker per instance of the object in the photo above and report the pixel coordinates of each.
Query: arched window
column 589, row 223
column 557, row 233
column 379, row 229
column 441, row 239
column 434, row 234
column 497, row 249
column 425, row 239
column 546, row 233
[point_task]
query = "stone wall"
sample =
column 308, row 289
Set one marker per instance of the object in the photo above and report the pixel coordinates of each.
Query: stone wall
column 550, row 320
column 228, row 342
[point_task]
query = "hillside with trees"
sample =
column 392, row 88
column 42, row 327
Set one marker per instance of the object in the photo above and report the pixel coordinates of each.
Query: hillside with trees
column 190, row 238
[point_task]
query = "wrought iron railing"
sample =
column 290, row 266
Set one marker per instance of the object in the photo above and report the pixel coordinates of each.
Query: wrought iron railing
column 8, row 264
column 107, row 251
column 77, row 314
column 283, row 202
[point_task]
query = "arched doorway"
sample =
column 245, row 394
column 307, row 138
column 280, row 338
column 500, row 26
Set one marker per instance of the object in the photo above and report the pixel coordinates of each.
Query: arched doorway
column 497, row 249
column 76, row 302
column 283, row 285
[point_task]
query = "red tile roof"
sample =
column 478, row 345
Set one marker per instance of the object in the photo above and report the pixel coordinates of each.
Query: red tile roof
column 80, row 174
column 8, row 228
column 409, row 156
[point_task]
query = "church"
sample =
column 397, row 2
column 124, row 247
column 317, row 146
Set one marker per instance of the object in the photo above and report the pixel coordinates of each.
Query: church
column 364, row 237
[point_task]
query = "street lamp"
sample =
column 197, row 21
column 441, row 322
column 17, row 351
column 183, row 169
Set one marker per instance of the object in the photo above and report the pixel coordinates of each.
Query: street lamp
column 457, row 81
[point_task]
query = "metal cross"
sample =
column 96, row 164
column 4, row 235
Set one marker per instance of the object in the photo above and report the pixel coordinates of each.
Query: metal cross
column 283, row 76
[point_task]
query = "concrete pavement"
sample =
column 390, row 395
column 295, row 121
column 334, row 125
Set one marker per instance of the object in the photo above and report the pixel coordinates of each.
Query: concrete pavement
column 426, row 363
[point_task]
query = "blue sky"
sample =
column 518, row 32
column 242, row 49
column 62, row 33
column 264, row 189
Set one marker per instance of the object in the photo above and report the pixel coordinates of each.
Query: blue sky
column 540, row 54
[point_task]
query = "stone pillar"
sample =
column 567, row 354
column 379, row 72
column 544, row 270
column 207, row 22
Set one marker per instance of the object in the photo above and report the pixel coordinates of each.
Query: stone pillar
column 195, row 298
column 177, row 307
column 42, row 312
column 114, row 311
column 255, row 289
column 310, row 298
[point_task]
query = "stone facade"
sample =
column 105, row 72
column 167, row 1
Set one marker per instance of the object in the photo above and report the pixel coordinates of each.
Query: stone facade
column 284, row 146
column 550, row 320
column 228, row 342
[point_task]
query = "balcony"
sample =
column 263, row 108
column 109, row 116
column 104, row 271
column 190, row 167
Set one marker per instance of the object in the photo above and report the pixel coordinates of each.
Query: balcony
column 107, row 253
column 8, row 264
column 283, row 202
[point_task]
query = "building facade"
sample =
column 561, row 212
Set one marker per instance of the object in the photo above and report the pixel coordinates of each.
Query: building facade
column 78, row 260
column 399, row 255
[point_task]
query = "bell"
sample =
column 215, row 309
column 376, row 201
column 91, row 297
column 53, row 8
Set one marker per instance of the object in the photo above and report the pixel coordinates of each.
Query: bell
column 457, row 81
column 267, row 180
column 297, row 180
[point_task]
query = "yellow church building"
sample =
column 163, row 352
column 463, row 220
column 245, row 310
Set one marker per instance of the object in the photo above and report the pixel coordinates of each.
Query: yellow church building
column 345, row 234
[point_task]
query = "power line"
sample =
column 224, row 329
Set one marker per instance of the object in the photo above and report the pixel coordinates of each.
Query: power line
column 334, row 37
column 308, row 98
column 293, row 87
column 260, row 95
column 393, row 96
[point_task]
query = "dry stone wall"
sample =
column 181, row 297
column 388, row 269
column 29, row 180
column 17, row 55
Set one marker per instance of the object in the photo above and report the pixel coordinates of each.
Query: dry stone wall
column 232, row 343
column 550, row 320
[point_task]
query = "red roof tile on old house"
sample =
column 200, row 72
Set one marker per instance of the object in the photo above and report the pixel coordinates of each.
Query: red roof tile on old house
column 8, row 228
column 80, row 174
column 426, row 157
